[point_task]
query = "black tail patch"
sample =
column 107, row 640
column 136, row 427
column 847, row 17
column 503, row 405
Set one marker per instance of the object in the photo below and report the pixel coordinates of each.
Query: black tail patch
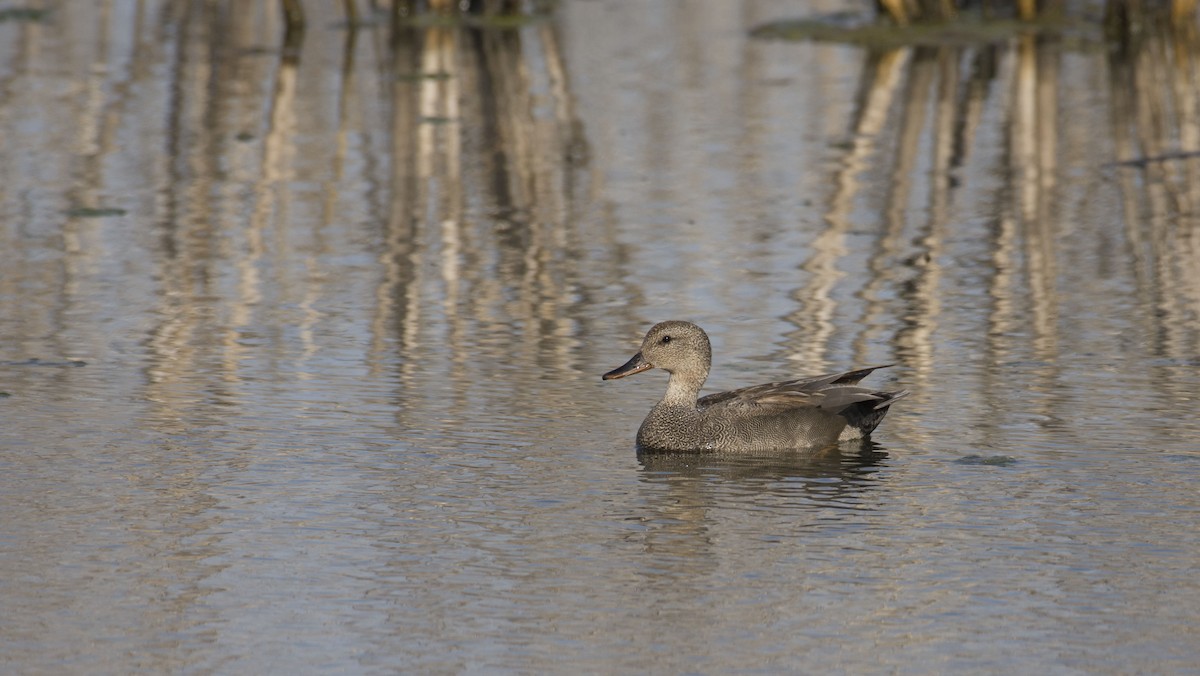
column 866, row 415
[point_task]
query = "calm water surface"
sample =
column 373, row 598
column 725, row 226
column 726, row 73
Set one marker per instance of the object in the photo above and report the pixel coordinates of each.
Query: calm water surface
column 301, row 358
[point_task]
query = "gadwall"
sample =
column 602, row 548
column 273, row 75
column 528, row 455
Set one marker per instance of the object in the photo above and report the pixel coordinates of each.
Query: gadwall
column 805, row 413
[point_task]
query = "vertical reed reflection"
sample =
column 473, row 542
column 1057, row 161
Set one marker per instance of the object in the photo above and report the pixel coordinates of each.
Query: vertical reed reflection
column 922, row 292
column 1155, row 92
column 477, row 238
column 481, row 165
column 936, row 119
column 189, row 224
column 813, row 317
column 1033, row 151
column 1154, row 104
column 1033, row 166
column 397, row 303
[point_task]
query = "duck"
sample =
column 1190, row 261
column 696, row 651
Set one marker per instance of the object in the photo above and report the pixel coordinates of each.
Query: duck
column 805, row 413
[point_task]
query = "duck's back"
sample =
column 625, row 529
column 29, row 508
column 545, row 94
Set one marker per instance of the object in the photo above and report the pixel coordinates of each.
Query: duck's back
column 802, row 413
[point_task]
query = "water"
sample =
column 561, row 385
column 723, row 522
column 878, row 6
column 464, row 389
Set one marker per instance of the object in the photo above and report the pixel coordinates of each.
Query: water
column 302, row 358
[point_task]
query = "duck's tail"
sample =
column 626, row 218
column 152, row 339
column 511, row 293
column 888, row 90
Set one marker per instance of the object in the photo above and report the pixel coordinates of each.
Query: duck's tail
column 863, row 417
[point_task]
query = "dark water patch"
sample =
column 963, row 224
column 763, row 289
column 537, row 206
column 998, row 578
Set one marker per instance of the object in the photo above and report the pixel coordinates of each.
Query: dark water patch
column 27, row 14
column 419, row 77
column 53, row 363
column 865, row 31
column 991, row 460
column 1192, row 362
column 1143, row 162
column 95, row 212
column 1182, row 457
column 497, row 22
column 259, row 50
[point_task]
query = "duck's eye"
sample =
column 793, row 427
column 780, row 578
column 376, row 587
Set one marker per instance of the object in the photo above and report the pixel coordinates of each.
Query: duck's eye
column 665, row 340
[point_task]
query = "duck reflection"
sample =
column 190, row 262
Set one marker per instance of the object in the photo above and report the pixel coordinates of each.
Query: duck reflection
column 833, row 474
column 760, row 498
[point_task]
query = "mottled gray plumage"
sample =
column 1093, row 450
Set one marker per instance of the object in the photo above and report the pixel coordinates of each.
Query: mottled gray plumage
column 803, row 413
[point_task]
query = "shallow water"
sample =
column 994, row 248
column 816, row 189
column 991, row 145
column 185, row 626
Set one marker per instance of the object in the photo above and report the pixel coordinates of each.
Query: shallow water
column 302, row 357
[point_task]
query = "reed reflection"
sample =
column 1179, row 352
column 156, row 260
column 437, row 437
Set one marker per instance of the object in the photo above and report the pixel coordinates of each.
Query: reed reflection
column 1156, row 130
column 923, row 116
column 484, row 142
column 211, row 263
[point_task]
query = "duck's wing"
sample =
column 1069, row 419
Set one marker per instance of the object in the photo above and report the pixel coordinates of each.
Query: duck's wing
column 831, row 393
column 852, row 377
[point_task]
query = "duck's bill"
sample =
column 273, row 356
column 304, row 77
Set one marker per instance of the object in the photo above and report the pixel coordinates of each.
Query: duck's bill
column 635, row 365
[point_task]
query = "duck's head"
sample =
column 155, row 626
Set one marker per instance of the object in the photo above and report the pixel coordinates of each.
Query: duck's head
column 676, row 347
